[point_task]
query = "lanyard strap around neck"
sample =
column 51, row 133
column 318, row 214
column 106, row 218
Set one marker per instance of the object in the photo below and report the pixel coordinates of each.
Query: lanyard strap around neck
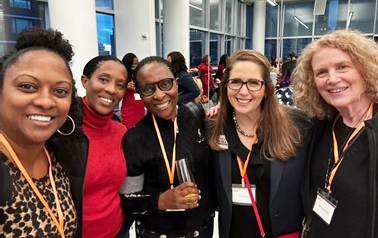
column 171, row 172
column 338, row 159
column 256, row 211
column 60, row 223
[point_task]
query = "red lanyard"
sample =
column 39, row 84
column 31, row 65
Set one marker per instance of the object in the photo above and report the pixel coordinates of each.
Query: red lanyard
column 171, row 172
column 59, row 224
column 243, row 173
column 338, row 160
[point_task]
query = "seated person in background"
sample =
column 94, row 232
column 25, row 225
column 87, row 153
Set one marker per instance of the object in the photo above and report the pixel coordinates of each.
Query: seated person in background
column 187, row 87
column 169, row 132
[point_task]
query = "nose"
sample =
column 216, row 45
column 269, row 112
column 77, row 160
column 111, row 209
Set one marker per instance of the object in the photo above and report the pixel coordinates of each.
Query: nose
column 45, row 99
column 158, row 95
column 333, row 77
column 110, row 88
column 244, row 89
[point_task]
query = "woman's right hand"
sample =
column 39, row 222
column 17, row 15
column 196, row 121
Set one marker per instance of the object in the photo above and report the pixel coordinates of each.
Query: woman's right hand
column 184, row 196
column 131, row 86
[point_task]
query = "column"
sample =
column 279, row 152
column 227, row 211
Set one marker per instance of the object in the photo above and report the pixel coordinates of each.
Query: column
column 259, row 13
column 176, row 27
column 77, row 21
column 135, row 27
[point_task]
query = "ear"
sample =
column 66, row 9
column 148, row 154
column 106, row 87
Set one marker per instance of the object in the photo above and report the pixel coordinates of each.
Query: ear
column 84, row 81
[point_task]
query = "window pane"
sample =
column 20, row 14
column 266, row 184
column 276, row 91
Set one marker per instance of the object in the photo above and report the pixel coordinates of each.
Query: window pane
column 105, row 34
column 228, row 26
column 271, row 20
column 197, row 38
column 228, row 44
column 215, row 19
column 238, row 22
column 334, row 17
column 214, row 48
column 105, row 4
column 197, row 13
column 158, row 8
column 298, row 19
column 271, row 48
column 363, row 14
column 294, row 46
column 15, row 15
column 249, row 27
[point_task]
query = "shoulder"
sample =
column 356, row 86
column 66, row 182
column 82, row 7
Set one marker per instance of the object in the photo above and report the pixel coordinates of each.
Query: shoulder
column 300, row 118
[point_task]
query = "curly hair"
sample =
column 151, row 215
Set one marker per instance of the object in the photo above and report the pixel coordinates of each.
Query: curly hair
column 281, row 136
column 363, row 52
column 178, row 62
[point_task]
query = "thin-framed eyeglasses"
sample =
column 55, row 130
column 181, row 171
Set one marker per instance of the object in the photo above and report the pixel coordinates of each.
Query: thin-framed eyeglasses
column 149, row 89
column 252, row 85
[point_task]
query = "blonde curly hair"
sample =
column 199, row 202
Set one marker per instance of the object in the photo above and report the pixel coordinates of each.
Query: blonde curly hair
column 364, row 54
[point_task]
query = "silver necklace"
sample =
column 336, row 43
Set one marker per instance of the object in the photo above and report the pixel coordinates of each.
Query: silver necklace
column 240, row 130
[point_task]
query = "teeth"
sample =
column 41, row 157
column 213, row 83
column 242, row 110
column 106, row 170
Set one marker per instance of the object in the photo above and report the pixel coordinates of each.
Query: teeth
column 162, row 105
column 40, row 118
column 337, row 90
column 106, row 100
column 244, row 100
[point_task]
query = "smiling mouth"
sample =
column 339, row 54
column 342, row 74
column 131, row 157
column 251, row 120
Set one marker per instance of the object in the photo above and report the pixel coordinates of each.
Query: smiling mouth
column 40, row 118
column 161, row 106
column 106, row 100
column 243, row 101
column 337, row 90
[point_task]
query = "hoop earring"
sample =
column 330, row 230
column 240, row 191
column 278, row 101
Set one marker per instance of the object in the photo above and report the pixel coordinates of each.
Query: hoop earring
column 73, row 127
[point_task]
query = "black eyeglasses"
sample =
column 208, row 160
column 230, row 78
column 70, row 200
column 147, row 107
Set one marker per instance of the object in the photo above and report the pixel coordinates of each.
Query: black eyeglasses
column 149, row 89
column 252, row 85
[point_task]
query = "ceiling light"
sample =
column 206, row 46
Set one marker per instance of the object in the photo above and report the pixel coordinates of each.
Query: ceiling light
column 194, row 6
column 300, row 22
column 272, row 2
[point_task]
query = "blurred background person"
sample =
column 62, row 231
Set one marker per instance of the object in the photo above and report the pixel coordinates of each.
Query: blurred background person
column 336, row 83
column 219, row 75
column 257, row 141
column 132, row 109
column 38, row 195
column 205, row 70
column 187, row 87
column 174, row 131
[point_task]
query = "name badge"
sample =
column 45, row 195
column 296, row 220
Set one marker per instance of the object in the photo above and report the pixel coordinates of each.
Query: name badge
column 222, row 142
column 137, row 96
column 325, row 206
column 175, row 210
column 240, row 195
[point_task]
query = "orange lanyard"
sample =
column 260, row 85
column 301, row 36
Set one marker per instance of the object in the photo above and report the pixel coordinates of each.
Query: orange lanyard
column 60, row 223
column 171, row 172
column 338, row 160
column 243, row 167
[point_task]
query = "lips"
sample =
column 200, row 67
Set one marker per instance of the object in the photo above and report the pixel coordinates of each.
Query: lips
column 162, row 106
column 243, row 101
column 106, row 100
column 40, row 118
column 337, row 90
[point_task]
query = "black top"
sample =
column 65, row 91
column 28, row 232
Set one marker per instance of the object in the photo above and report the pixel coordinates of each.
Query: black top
column 349, row 186
column 144, row 160
column 243, row 222
column 187, row 87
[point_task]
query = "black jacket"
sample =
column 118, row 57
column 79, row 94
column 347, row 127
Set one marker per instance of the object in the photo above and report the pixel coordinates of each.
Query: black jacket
column 285, row 204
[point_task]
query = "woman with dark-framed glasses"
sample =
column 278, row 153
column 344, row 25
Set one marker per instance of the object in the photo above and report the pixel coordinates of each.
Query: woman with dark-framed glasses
column 170, row 131
column 257, row 162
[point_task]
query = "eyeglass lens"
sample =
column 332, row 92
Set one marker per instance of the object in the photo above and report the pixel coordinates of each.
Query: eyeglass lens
column 163, row 85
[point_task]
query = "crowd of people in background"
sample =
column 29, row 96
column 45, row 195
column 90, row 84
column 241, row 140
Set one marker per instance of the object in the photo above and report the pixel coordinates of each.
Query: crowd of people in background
column 295, row 158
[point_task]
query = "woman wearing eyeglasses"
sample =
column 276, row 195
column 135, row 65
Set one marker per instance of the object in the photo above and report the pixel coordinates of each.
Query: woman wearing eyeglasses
column 169, row 132
column 257, row 163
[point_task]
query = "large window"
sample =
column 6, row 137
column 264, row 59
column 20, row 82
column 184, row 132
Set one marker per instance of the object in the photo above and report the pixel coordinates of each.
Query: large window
column 197, row 41
column 197, row 12
column 15, row 15
column 105, row 34
column 214, row 48
column 298, row 19
column 228, row 16
column 249, row 27
column 215, row 15
column 271, row 20
column 361, row 15
column 105, row 27
column 334, row 18
column 294, row 46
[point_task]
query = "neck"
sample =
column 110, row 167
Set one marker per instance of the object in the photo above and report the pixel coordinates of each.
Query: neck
column 32, row 157
column 354, row 114
column 248, row 122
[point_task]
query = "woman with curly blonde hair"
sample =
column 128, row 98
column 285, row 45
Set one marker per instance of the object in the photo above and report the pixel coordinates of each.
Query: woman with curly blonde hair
column 335, row 82
column 256, row 140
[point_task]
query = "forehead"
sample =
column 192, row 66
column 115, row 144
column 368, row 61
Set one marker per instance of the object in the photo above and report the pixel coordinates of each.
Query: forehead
column 153, row 72
column 40, row 62
column 110, row 66
column 246, row 70
column 326, row 55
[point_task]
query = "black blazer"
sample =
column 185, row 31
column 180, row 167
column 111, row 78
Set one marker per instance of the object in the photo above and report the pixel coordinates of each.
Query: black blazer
column 285, row 203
